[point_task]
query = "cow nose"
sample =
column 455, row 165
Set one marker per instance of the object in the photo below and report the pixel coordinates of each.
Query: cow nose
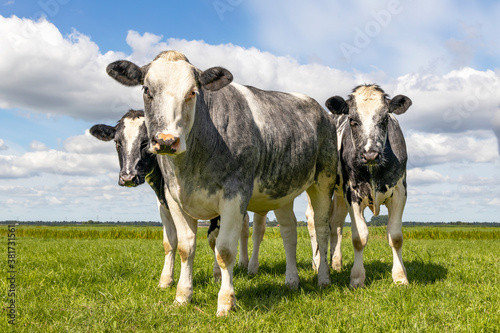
column 370, row 156
column 165, row 144
column 127, row 180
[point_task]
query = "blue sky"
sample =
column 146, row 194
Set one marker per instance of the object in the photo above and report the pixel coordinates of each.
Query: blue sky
column 443, row 55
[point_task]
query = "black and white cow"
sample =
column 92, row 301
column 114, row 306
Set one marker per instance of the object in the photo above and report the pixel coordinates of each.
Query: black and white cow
column 137, row 165
column 225, row 148
column 372, row 172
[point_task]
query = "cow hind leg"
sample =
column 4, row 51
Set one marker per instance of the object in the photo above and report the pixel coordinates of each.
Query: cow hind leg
column 259, row 228
column 395, row 207
column 312, row 235
column 226, row 248
column 337, row 218
column 288, row 229
column 212, row 237
column 245, row 233
column 359, row 241
column 170, row 246
column 319, row 196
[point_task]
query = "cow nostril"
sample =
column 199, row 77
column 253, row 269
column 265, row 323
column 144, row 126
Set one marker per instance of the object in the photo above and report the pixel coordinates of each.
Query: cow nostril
column 127, row 180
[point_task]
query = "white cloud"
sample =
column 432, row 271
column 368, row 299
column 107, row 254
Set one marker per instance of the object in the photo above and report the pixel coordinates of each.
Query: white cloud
column 56, row 162
column 438, row 148
column 38, row 146
column 494, row 202
column 3, row 146
column 418, row 177
column 56, row 74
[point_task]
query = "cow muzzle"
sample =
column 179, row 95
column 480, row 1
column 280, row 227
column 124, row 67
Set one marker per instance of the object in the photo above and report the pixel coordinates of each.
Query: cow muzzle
column 128, row 180
column 370, row 157
column 165, row 144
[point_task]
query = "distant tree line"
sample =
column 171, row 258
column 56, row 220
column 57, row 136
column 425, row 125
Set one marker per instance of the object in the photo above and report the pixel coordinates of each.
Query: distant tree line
column 380, row 220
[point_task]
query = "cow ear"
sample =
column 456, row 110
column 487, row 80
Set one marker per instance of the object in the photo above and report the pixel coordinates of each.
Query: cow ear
column 399, row 104
column 337, row 105
column 127, row 73
column 103, row 132
column 215, row 78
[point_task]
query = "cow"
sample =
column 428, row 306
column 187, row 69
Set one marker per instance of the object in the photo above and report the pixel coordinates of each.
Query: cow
column 138, row 165
column 372, row 172
column 224, row 148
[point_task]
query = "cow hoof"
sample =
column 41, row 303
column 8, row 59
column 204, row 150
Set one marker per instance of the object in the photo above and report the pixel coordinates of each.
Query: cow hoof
column 337, row 265
column 401, row 282
column 292, row 284
column 323, row 282
column 166, row 283
column 243, row 265
column 357, row 283
column 253, row 268
column 183, row 296
column 226, row 303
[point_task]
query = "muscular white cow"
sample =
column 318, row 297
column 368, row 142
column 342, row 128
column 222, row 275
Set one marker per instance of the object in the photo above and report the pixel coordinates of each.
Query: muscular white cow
column 222, row 148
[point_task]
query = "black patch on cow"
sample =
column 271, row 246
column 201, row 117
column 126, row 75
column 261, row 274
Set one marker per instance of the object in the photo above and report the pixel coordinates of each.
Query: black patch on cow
column 103, row 132
column 214, row 224
column 215, row 78
column 399, row 104
column 126, row 72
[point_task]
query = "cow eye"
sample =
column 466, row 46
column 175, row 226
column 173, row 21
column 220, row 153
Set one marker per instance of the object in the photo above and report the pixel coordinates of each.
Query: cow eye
column 118, row 145
column 354, row 123
column 192, row 94
column 147, row 92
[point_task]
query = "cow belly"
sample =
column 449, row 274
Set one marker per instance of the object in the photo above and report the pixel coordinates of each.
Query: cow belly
column 262, row 203
column 199, row 205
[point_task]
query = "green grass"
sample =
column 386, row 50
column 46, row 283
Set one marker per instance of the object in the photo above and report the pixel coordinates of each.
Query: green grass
column 94, row 284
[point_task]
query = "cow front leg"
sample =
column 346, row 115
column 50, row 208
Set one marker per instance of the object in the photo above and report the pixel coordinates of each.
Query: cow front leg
column 288, row 229
column 359, row 241
column 395, row 207
column 186, row 245
column 226, row 248
column 245, row 233
column 170, row 246
column 259, row 228
column 320, row 199
column 337, row 218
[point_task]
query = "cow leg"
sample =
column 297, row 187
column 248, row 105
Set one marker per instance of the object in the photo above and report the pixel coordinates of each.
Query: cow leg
column 259, row 228
column 170, row 246
column 186, row 230
column 319, row 196
column 337, row 218
column 312, row 234
column 288, row 229
column 212, row 237
column 226, row 248
column 395, row 207
column 245, row 233
column 359, row 241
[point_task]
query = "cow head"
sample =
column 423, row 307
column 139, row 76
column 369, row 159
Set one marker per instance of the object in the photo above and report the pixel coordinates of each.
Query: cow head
column 131, row 140
column 368, row 109
column 171, row 87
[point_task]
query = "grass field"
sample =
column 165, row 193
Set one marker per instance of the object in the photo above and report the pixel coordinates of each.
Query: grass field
column 104, row 279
